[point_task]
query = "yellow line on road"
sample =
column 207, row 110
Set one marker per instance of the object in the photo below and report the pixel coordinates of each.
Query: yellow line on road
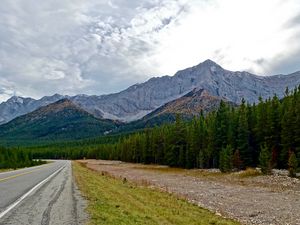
column 22, row 174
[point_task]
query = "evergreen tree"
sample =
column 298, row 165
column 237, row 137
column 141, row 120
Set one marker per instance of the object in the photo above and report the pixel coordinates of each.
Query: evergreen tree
column 261, row 118
column 287, row 132
column 243, row 136
column 265, row 158
column 193, row 147
column 273, row 128
column 237, row 162
column 226, row 163
column 293, row 165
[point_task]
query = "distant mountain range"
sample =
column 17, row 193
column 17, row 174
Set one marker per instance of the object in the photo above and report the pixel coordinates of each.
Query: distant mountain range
column 189, row 91
column 141, row 99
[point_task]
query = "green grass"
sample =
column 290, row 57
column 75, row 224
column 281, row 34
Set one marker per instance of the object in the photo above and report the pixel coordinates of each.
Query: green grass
column 115, row 202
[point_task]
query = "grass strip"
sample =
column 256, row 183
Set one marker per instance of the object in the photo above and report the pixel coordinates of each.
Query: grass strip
column 115, row 202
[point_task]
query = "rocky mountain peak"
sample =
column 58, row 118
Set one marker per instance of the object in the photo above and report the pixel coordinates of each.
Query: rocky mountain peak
column 209, row 62
column 210, row 65
column 15, row 99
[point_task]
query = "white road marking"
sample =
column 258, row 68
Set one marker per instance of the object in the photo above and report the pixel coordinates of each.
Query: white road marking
column 9, row 208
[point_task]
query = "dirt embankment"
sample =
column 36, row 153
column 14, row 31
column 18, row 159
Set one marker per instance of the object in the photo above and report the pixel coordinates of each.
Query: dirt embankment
column 249, row 199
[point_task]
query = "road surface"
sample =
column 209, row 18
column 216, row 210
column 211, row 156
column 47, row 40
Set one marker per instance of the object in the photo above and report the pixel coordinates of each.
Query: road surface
column 42, row 195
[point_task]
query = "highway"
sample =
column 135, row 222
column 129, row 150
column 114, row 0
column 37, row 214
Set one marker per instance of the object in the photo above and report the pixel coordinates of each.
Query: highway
column 43, row 194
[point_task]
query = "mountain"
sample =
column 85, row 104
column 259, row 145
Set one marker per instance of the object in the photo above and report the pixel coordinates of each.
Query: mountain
column 17, row 106
column 60, row 120
column 187, row 106
column 190, row 104
column 141, row 99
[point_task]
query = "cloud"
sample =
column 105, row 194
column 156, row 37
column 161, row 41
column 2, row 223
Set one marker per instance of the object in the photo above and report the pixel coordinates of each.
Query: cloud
column 103, row 46
column 6, row 89
column 236, row 34
column 294, row 21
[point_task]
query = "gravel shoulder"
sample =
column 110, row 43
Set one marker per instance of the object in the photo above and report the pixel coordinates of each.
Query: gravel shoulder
column 251, row 200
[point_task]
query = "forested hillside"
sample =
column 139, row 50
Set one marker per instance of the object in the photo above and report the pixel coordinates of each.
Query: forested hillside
column 266, row 135
column 62, row 120
column 16, row 158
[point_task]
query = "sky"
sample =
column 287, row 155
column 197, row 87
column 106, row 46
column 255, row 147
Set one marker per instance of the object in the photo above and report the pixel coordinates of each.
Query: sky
column 103, row 46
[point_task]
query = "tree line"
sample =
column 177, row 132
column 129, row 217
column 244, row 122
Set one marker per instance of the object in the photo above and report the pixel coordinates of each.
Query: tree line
column 16, row 158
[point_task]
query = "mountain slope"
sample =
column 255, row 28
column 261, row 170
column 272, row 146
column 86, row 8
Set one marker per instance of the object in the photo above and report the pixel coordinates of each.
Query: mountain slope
column 141, row 99
column 188, row 106
column 17, row 106
column 59, row 120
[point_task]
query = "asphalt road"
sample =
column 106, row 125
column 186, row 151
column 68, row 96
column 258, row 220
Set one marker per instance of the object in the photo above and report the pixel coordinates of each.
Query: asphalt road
column 43, row 195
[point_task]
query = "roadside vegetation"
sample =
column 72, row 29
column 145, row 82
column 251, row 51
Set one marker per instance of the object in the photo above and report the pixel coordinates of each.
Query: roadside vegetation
column 16, row 158
column 113, row 201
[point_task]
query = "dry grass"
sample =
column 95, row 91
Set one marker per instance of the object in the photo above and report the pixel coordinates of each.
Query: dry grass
column 120, row 202
column 249, row 172
column 201, row 173
column 162, row 169
column 205, row 173
column 186, row 172
column 5, row 170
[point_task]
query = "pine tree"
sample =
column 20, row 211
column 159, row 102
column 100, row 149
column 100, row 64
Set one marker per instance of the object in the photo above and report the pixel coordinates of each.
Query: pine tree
column 202, row 142
column 211, row 154
column 226, row 164
column 287, row 131
column 177, row 147
column 265, row 158
column 237, row 162
column 221, row 126
column 192, row 148
column 260, row 129
column 243, row 136
column 293, row 165
column 296, row 127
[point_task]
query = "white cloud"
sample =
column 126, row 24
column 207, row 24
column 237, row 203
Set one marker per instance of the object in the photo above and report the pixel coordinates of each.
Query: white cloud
column 235, row 33
column 103, row 46
column 6, row 89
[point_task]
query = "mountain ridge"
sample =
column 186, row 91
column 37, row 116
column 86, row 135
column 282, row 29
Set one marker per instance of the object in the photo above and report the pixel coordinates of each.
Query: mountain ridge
column 139, row 100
